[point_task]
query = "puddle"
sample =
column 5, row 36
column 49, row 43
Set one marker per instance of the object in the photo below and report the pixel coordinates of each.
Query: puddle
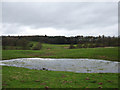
column 73, row 65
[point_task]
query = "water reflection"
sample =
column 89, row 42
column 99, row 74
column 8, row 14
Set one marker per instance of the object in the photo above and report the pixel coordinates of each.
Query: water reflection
column 74, row 65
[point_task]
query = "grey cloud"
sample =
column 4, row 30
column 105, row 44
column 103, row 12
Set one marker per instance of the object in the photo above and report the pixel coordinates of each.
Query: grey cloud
column 69, row 16
column 11, row 29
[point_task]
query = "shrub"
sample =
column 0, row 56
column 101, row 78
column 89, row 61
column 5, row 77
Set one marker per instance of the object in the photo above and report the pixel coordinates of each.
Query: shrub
column 91, row 46
column 30, row 45
column 37, row 46
column 84, row 46
column 79, row 45
column 71, row 46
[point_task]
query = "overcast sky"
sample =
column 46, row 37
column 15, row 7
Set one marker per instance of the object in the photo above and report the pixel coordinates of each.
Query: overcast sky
column 64, row 19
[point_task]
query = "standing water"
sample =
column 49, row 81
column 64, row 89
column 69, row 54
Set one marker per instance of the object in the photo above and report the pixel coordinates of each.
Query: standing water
column 73, row 65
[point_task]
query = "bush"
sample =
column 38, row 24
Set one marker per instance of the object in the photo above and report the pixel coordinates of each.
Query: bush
column 79, row 45
column 37, row 46
column 84, row 46
column 91, row 46
column 30, row 45
column 71, row 46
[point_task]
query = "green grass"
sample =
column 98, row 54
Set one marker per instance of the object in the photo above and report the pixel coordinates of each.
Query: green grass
column 15, row 77
column 62, row 51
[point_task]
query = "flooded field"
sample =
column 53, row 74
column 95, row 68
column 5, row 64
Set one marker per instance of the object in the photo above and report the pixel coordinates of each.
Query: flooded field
column 73, row 65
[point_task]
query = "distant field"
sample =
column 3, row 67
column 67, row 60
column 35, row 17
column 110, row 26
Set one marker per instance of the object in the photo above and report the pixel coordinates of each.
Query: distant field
column 62, row 51
column 15, row 77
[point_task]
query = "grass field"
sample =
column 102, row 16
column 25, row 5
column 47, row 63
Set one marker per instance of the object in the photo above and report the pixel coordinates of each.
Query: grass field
column 62, row 51
column 15, row 77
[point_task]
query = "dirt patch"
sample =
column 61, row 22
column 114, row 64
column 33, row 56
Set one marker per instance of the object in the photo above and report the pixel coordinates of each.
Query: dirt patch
column 22, row 81
column 103, row 57
column 16, row 77
column 37, row 80
column 4, row 84
column 48, row 48
column 42, row 83
column 67, row 81
column 108, row 47
column 66, row 47
column 63, row 76
column 104, row 47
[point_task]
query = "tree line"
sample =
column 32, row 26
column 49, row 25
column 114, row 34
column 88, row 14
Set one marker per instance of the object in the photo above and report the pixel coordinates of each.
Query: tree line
column 81, row 41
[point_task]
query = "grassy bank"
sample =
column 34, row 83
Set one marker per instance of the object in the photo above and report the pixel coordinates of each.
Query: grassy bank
column 15, row 77
column 62, row 51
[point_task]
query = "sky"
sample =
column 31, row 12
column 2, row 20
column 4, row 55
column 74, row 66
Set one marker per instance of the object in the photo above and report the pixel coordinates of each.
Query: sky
column 60, row 18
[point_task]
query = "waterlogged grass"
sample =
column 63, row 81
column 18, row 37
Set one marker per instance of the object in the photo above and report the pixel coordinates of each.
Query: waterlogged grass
column 15, row 77
column 62, row 51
